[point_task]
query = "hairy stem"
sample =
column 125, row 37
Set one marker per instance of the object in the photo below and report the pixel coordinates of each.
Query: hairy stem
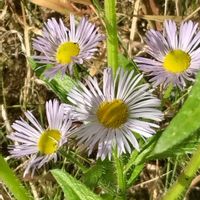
column 120, row 175
column 111, row 28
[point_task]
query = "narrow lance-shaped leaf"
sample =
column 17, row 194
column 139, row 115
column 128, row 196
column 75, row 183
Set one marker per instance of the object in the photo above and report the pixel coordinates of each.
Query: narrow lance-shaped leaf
column 8, row 177
column 60, row 84
column 72, row 188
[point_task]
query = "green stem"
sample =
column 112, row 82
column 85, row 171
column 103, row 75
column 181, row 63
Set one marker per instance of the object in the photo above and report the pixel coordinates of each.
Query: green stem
column 71, row 157
column 120, row 176
column 167, row 173
column 111, row 28
column 174, row 170
column 8, row 177
column 184, row 180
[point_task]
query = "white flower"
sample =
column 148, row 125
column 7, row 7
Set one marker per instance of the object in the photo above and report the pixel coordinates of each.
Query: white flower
column 62, row 47
column 176, row 54
column 42, row 144
column 112, row 116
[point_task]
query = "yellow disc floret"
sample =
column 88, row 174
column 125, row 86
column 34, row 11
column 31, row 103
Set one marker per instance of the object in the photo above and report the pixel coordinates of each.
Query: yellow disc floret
column 66, row 51
column 176, row 61
column 112, row 114
column 48, row 142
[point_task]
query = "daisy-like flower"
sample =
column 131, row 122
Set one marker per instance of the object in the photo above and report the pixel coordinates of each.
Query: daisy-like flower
column 176, row 54
column 111, row 116
column 42, row 144
column 62, row 47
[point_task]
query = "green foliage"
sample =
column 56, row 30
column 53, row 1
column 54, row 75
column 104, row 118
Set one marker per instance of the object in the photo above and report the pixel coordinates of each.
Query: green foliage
column 102, row 174
column 107, row 197
column 109, row 176
column 72, row 188
column 60, row 84
column 135, row 173
column 8, row 177
column 126, row 63
column 168, row 91
column 187, row 146
column 93, row 175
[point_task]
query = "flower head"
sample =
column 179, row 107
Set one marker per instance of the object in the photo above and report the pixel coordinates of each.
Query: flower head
column 111, row 116
column 176, row 54
column 42, row 144
column 62, row 47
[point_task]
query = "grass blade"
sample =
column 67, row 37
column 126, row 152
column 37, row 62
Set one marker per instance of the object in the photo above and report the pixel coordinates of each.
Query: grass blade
column 8, row 177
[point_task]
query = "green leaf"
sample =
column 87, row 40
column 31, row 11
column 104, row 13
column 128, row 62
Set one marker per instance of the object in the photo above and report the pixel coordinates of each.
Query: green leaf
column 8, row 177
column 135, row 173
column 131, row 160
column 126, row 63
column 168, row 91
column 109, row 175
column 60, row 84
column 93, row 175
column 107, row 197
column 102, row 175
column 185, row 147
column 146, row 150
column 132, row 171
column 37, row 68
column 72, row 188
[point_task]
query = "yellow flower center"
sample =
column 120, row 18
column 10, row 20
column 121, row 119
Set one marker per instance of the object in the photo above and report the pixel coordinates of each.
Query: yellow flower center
column 112, row 114
column 48, row 142
column 66, row 51
column 177, row 61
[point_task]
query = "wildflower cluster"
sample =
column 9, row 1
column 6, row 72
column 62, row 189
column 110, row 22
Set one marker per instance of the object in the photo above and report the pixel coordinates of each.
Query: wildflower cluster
column 113, row 114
